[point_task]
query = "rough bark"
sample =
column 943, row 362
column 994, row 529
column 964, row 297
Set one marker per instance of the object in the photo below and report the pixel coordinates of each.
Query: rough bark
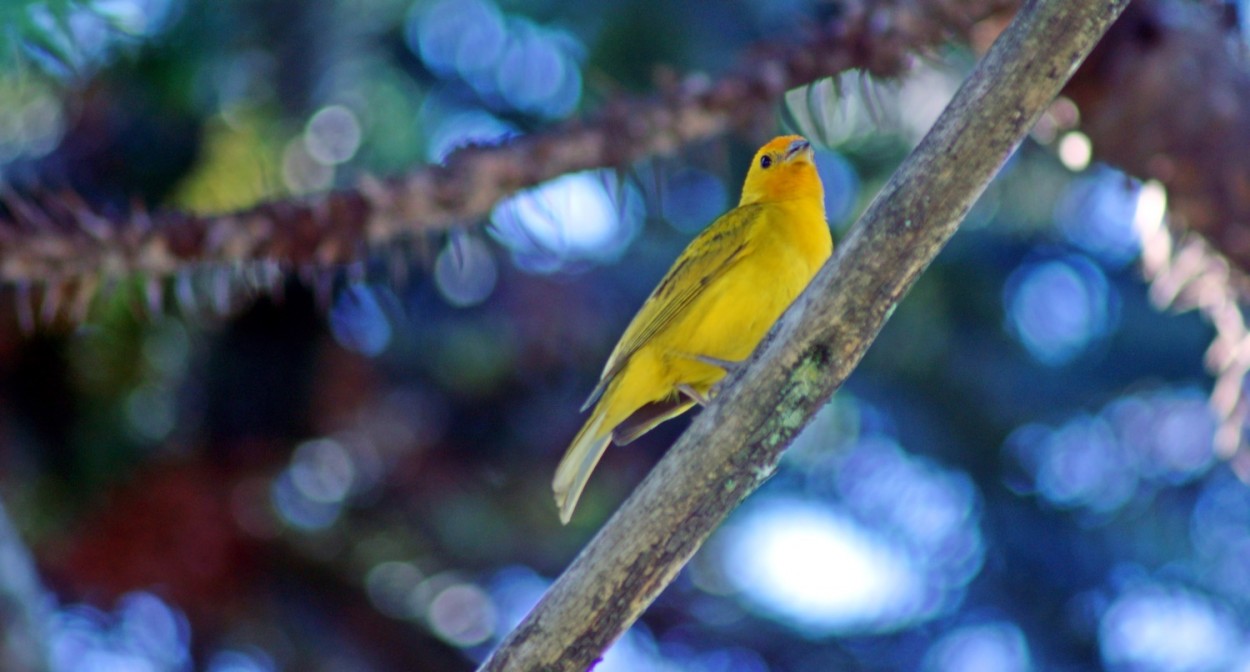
column 734, row 445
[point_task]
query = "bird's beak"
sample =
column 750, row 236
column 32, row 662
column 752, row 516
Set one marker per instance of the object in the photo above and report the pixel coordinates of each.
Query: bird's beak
column 797, row 148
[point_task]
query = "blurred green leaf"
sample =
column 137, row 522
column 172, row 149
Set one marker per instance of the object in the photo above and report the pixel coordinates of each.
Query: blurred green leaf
column 38, row 30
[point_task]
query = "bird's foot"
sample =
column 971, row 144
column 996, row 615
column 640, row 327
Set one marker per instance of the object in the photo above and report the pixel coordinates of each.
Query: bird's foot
column 727, row 365
column 698, row 397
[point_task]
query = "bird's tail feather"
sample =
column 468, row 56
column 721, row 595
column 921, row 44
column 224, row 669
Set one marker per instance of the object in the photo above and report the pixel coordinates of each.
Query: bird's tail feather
column 579, row 461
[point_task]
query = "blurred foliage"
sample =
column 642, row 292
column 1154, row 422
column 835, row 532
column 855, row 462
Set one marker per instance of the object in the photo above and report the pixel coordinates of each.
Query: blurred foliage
column 42, row 29
column 353, row 472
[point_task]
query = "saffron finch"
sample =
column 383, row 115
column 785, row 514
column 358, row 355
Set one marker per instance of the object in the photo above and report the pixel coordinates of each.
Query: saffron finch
column 710, row 310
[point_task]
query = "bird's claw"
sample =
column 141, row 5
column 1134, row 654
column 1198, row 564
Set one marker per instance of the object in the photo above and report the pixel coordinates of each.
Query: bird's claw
column 729, row 366
column 698, row 397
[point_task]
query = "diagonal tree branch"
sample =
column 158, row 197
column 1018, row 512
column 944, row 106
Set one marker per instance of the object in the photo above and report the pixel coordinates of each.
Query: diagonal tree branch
column 1159, row 100
column 58, row 239
column 735, row 444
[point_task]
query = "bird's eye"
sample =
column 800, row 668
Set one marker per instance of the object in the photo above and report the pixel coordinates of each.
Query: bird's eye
column 766, row 161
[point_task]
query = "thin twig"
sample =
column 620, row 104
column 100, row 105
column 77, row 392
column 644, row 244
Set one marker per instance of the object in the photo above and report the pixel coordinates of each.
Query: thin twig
column 735, row 444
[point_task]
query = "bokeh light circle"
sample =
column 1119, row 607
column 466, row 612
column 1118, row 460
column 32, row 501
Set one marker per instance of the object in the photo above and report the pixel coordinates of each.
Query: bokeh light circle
column 1057, row 307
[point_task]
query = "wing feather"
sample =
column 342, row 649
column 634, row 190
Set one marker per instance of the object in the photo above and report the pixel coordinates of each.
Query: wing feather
column 705, row 259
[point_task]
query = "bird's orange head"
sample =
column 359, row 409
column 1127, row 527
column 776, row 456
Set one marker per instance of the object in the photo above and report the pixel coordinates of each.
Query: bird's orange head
column 783, row 170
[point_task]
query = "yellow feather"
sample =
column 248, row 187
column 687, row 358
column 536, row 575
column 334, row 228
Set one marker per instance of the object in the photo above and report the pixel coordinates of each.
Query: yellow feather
column 718, row 300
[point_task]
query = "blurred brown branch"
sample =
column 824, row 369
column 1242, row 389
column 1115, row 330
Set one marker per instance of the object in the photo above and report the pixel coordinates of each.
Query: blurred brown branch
column 1166, row 97
column 1161, row 99
column 57, row 244
column 735, row 444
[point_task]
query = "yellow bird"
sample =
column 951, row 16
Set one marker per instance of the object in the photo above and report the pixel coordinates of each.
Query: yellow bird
column 709, row 311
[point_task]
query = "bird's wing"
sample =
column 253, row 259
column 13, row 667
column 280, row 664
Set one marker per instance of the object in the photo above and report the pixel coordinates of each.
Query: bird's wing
column 708, row 256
